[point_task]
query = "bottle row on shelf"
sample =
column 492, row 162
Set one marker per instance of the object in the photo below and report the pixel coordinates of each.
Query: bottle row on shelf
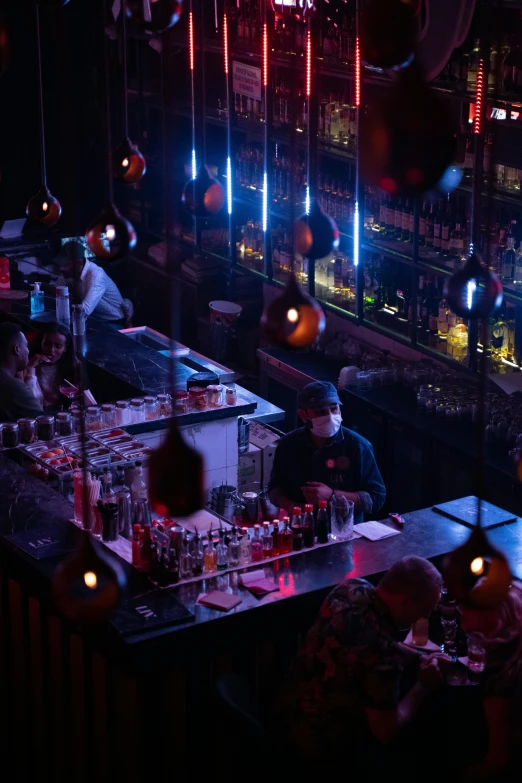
column 168, row 558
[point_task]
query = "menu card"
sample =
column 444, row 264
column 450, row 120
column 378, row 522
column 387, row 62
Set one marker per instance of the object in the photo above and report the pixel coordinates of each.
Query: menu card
column 218, row 600
column 374, row 531
column 256, row 582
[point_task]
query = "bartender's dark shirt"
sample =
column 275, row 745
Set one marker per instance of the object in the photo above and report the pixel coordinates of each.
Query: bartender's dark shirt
column 346, row 463
column 16, row 400
column 350, row 661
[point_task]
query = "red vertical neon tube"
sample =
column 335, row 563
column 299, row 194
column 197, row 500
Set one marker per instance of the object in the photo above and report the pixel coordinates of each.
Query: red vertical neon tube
column 265, row 55
column 479, row 99
column 357, row 73
column 308, row 64
column 191, row 41
column 225, row 42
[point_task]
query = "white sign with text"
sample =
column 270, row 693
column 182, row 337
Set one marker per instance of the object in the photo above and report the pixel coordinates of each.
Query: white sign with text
column 246, row 80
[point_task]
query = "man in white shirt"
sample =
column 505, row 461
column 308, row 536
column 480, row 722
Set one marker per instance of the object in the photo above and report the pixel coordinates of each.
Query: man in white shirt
column 99, row 294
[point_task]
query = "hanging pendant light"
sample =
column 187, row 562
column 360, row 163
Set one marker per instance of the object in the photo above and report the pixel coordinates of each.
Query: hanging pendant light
column 88, row 583
column 203, row 196
column 477, row 572
column 175, row 477
column 43, row 209
column 408, row 140
column 388, row 32
column 474, row 291
column 293, row 319
column 110, row 236
column 316, row 234
column 128, row 164
column 154, row 15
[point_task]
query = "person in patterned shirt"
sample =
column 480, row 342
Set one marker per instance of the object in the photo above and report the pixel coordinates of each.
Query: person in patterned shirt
column 345, row 684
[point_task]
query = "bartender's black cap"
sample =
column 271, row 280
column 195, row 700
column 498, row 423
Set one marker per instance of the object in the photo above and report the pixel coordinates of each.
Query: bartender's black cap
column 317, row 394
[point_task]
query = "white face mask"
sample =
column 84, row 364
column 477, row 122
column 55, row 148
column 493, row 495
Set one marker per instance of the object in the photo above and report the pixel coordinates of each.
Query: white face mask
column 326, row 426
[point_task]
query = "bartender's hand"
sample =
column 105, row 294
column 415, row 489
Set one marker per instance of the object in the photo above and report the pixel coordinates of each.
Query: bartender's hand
column 36, row 360
column 314, row 491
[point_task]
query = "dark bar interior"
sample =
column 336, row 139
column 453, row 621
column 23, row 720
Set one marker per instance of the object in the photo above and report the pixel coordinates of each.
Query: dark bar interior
column 261, row 389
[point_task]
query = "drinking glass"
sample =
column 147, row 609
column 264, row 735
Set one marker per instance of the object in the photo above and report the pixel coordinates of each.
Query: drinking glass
column 78, row 320
column 476, row 654
column 448, row 617
column 341, row 519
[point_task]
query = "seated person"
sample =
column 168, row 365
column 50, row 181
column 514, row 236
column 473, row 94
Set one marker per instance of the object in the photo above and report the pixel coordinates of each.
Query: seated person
column 323, row 459
column 51, row 364
column 344, row 695
column 97, row 292
column 500, row 630
column 17, row 401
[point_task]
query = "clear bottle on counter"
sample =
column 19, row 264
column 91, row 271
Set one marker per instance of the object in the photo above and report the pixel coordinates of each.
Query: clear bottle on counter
column 64, row 424
column 108, row 415
column 268, row 549
column 233, row 548
column 197, row 398
column 45, row 427
column 221, row 552
column 76, row 416
column 186, row 564
column 63, row 314
column 122, row 412
column 137, row 410
column 138, row 486
column 285, row 537
column 210, row 560
column 257, row 545
column 198, row 556
column 215, row 396
column 121, row 484
column 151, row 408
column 231, row 395
column 93, row 419
column 108, row 495
column 276, row 542
column 10, row 435
column 27, row 430
column 245, row 548
column 165, row 404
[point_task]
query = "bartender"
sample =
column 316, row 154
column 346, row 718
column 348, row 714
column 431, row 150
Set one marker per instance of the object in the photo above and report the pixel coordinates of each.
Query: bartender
column 323, row 459
column 98, row 293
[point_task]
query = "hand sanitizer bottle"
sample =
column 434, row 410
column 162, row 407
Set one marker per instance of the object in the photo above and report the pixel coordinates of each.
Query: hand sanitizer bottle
column 37, row 299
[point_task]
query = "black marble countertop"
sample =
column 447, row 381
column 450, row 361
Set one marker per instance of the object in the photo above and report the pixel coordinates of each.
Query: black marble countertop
column 28, row 504
column 396, row 402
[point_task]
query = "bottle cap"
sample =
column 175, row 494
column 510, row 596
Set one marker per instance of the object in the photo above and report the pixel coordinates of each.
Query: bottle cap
column 297, row 510
column 245, row 531
column 266, row 524
column 323, row 504
column 309, row 507
column 136, row 528
column 62, row 290
column 257, row 527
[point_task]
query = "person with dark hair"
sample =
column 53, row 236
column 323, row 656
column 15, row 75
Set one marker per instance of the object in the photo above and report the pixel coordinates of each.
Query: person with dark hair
column 51, row 364
column 346, row 683
column 323, row 460
column 97, row 292
column 16, row 398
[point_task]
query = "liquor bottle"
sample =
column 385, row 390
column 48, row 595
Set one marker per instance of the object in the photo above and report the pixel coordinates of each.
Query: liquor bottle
column 136, row 546
column 146, row 550
column 406, row 217
column 321, row 523
column 210, row 559
column 138, row 488
column 185, row 562
column 276, row 540
column 268, row 549
column 285, row 536
column 154, row 559
column 430, row 226
column 422, row 224
column 121, row 484
column 108, row 494
column 456, row 245
column 437, row 226
column 233, row 548
column 173, row 576
column 245, row 548
column 442, row 319
column 257, row 545
column 163, row 572
column 517, row 277
column 383, row 206
column 198, row 556
column 308, row 525
column 425, row 305
column 434, row 309
column 297, row 528
column 221, row 552
column 445, row 231
column 509, row 261
column 500, row 336
column 390, row 219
